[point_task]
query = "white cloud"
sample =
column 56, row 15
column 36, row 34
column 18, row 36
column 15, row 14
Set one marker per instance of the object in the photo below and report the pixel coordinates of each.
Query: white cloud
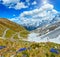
column 7, row 2
column 34, row 3
column 27, row 0
column 14, row 15
column 45, row 12
column 16, row 4
column 41, row 12
column 20, row 5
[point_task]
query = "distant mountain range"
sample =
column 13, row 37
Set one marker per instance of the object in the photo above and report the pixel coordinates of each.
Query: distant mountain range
column 43, row 23
column 47, row 28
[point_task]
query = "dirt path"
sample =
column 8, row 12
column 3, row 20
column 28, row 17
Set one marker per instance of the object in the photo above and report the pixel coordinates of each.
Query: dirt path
column 4, row 33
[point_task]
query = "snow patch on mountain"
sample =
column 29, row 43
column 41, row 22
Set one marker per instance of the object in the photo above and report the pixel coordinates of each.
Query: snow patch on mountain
column 53, row 36
column 33, row 38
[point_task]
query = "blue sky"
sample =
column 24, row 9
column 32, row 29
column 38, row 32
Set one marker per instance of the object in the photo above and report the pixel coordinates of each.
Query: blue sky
column 13, row 8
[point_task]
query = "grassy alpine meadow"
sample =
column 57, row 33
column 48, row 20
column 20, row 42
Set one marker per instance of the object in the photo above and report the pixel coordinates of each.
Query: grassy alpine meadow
column 21, row 48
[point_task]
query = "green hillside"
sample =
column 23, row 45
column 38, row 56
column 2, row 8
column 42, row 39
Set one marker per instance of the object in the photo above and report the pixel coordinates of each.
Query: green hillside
column 9, row 29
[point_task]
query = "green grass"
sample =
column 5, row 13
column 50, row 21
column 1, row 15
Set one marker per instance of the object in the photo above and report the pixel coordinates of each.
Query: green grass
column 2, row 29
column 9, row 33
column 24, row 33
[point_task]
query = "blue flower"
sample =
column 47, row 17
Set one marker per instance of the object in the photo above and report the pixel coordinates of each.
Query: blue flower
column 22, row 49
column 1, row 47
column 54, row 50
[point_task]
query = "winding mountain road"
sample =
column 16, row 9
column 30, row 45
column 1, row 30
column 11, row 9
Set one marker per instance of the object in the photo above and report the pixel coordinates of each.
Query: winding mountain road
column 4, row 33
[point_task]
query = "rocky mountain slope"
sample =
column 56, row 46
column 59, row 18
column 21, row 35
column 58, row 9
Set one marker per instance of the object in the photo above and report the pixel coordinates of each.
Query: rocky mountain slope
column 47, row 28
